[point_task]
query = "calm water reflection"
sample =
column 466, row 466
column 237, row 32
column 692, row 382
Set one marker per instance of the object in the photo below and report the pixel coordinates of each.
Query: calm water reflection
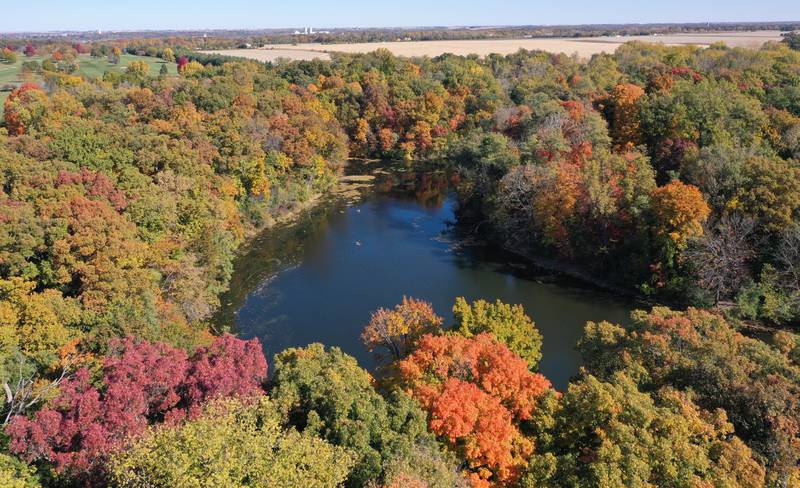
column 319, row 279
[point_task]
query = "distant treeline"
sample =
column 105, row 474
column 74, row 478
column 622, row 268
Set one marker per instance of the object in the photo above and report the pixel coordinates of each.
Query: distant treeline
column 233, row 38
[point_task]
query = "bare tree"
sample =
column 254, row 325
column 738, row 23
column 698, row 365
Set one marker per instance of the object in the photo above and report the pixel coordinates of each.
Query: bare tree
column 26, row 391
column 516, row 197
column 721, row 257
column 787, row 256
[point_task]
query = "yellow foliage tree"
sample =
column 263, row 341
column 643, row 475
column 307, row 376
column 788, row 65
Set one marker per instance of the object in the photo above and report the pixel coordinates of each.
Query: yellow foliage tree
column 680, row 211
column 233, row 443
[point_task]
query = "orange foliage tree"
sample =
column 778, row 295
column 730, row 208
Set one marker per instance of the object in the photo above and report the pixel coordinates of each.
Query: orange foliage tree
column 21, row 108
column 625, row 126
column 399, row 329
column 680, row 211
column 476, row 392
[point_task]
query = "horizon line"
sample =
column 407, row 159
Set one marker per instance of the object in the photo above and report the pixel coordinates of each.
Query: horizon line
column 397, row 27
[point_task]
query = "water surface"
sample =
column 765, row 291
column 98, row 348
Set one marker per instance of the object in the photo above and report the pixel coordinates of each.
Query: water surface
column 318, row 279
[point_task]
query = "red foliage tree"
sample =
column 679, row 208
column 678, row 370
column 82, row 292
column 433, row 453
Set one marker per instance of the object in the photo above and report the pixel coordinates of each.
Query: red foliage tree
column 476, row 391
column 229, row 366
column 182, row 62
column 142, row 383
column 97, row 185
column 15, row 107
column 30, row 50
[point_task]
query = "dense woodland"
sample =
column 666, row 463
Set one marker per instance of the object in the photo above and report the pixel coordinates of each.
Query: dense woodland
column 672, row 172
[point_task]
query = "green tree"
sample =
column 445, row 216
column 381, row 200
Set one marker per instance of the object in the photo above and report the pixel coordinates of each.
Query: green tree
column 326, row 393
column 508, row 323
column 772, row 191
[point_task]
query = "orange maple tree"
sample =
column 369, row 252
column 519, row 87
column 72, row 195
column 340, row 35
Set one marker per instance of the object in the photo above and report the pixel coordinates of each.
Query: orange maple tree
column 625, row 127
column 476, row 392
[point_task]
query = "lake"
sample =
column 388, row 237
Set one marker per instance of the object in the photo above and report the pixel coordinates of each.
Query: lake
column 319, row 278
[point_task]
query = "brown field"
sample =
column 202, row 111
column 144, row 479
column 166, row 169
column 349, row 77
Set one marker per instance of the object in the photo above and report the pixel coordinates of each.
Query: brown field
column 584, row 48
column 274, row 53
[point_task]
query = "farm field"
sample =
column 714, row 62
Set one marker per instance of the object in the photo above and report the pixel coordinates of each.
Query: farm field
column 89, row 67
column 273, row 53
column 584, row 48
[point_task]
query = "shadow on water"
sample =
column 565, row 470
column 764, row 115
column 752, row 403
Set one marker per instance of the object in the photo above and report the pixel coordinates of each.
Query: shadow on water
column 318, row 279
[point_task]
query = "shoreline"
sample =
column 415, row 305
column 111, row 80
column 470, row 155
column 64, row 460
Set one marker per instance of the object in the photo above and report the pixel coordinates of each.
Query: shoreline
column 350, row 188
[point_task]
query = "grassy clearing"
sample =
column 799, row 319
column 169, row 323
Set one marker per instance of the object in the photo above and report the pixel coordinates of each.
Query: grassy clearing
column 95, row 67
column 89, row 67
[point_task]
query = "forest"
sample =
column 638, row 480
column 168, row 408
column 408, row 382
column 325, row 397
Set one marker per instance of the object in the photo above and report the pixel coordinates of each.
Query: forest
column 670, row 173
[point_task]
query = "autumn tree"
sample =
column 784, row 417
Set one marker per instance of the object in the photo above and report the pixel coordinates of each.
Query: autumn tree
column 23, row 107
column 700, row 351
column 182, row 62
column 608, row 434
column 425, row 466
column 138, row 69
column 8, row 56
column 476, row 392
column 168, row 55
column 507, row 323
column 624, row 123
column 190, row 68
column 15, row 473
column 39, row 332
column 325, row 393
column 141, row 383
column 399, row 329
column 114, row 55
column 231, row 443
column 679, row 212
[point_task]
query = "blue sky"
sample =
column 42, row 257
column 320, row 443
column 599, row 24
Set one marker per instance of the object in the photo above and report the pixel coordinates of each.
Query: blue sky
column 41, row 15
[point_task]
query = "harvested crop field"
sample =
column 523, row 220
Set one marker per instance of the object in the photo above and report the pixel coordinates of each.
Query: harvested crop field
column 584, row 48
column 294, row 53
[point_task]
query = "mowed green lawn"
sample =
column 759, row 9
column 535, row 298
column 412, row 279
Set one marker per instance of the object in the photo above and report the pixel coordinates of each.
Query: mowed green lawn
column 89, row 67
